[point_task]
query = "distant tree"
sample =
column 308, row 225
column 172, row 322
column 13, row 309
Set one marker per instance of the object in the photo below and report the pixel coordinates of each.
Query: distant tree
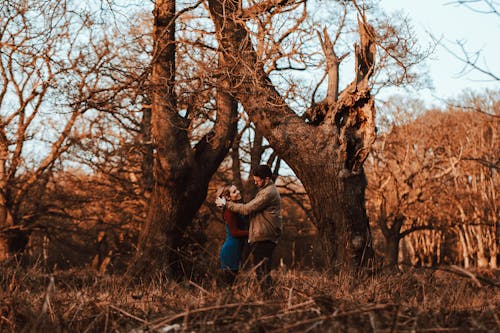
column 477, row 181
column 47, row 58
column 405, row 172
column 432, row 180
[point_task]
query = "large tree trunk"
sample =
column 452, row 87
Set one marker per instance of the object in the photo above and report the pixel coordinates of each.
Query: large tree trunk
column 326, row 153
column 339, row 209
column 172, row 208
column 181, row 172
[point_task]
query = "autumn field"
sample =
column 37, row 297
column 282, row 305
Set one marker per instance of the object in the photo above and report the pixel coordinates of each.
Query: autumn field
column 121, row 121
column 446, row 299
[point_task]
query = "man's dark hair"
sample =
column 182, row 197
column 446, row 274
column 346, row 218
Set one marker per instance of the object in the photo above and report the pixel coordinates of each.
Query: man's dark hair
column 263, row 171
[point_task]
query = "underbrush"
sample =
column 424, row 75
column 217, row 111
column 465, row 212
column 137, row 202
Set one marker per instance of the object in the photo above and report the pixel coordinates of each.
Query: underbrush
column 418, row 300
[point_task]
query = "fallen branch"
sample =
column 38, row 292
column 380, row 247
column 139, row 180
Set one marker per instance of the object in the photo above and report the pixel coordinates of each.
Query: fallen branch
column 318, row 320
column 476, row 279
column 156, row 324
column 128, row 314
column 467, row 273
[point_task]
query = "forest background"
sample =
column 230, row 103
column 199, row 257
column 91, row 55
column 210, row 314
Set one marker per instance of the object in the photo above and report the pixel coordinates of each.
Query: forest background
column 120, row 120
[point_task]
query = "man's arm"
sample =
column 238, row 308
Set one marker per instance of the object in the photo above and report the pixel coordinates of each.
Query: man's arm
column 261, row 201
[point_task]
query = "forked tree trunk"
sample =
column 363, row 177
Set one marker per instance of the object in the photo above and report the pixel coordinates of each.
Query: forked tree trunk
column 326, row 153
column 181, row 172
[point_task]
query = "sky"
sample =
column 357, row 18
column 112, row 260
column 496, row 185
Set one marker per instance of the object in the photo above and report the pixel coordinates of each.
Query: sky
column 444, row 19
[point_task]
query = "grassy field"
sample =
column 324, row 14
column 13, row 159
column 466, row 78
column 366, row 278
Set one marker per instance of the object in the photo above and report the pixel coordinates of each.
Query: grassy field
column 447, row 299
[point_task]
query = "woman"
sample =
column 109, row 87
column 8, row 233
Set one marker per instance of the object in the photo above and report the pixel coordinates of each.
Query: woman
column 236, row 235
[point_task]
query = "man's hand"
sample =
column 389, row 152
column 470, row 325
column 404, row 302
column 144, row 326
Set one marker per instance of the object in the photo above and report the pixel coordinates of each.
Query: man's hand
column 220, row 202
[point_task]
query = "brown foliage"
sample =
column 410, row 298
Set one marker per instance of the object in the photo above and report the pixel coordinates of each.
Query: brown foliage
column 433, row 180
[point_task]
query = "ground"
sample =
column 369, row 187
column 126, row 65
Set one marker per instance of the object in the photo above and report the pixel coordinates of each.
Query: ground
column 417, row 300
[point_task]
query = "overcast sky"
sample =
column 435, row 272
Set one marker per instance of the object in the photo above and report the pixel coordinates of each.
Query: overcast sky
column 446, row 20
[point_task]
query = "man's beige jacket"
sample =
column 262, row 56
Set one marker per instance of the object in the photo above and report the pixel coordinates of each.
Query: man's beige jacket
column 264, row 212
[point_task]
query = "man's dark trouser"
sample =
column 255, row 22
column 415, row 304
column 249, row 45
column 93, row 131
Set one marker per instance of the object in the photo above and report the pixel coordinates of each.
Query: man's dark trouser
column 262, row 254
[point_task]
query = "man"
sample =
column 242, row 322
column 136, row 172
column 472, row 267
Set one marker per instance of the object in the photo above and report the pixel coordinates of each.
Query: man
column 265, row 223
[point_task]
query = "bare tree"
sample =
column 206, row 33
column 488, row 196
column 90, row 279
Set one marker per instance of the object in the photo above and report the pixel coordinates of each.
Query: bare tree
column 182, row 169
column 342, row 135
column 43, row 66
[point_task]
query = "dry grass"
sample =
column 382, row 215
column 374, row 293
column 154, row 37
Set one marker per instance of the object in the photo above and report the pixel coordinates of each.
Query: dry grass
column 305, row 301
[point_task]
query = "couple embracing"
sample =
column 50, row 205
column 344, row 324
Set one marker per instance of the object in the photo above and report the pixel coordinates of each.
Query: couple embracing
column 264, row 215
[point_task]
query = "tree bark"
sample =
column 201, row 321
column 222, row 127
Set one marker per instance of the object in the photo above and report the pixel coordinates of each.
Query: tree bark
column 147, row 151
column 326, row 156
